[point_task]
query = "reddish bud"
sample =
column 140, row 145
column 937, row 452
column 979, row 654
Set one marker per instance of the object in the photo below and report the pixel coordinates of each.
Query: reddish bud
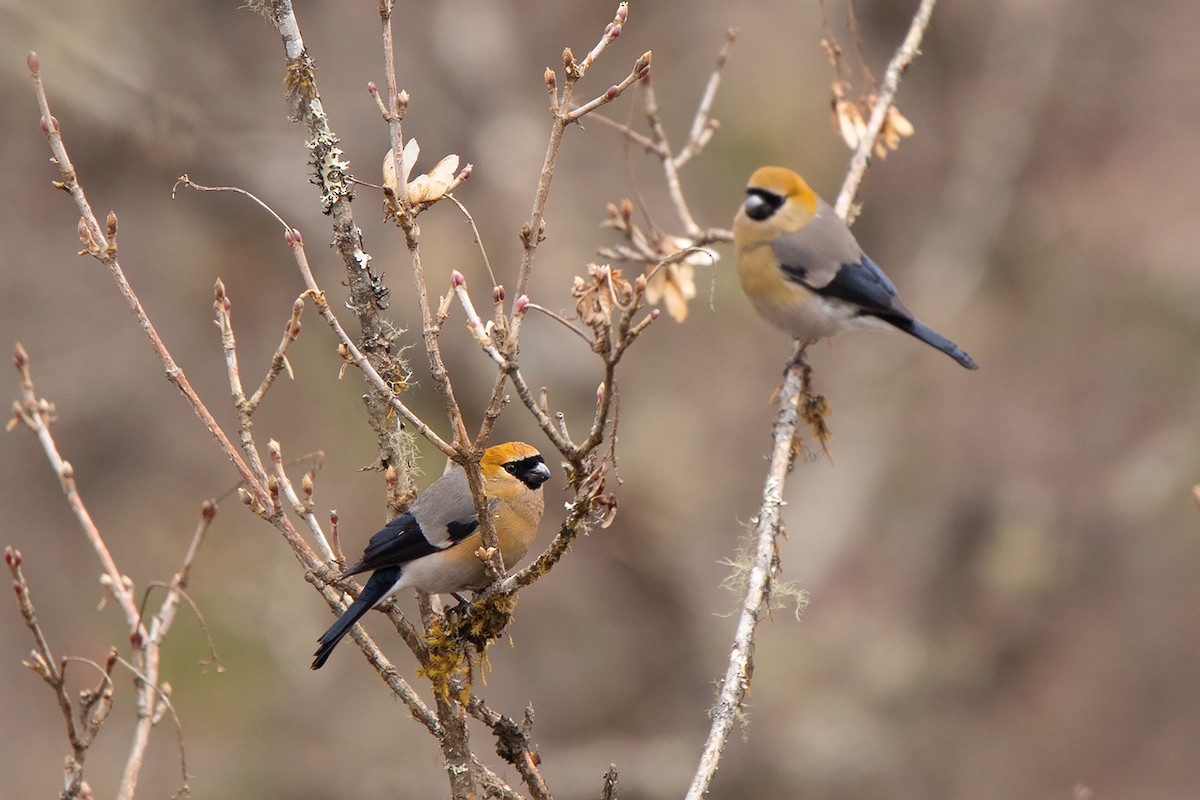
column 111, row 222
column 287, row 237
column 551, row 80
column 296, row 235
column 219, row 290
column 498, row 295
column 274, row 452
column 294, row 330
column 622, row 13
column 466, row 172
column 297, row 306
column 32, row 62
column 613, row 31
column 654, row 313
column 68, row 472
column 333, row 516
column 12, row 557
column 20, row 357
column 522, row 304
column 568, row 59
column 611, row 93
column 135, row 639
column 457, row 279
column 372, row 88
column 54, row 123
column 306, row 484
column 208, row 510
column 17, row 588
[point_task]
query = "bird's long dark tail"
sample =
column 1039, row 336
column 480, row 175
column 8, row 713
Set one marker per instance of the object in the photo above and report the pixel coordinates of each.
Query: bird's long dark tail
column 931, row 337
column 375, row 590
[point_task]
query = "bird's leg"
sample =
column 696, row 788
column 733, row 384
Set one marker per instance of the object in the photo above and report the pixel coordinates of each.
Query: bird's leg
column 798, row 356
column 461, row 608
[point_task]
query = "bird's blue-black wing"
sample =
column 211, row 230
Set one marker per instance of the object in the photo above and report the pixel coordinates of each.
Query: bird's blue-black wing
column 864, row 284
column 402, row 541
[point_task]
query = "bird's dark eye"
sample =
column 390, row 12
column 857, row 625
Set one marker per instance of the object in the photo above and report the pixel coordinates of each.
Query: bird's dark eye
column 761, row 204
column 511, row 468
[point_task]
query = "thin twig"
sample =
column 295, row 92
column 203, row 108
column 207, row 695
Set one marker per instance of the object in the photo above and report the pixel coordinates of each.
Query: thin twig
column 904, row 56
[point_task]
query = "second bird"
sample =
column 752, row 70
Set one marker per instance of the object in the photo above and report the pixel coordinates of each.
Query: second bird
column 432, row 546
column 806, row 274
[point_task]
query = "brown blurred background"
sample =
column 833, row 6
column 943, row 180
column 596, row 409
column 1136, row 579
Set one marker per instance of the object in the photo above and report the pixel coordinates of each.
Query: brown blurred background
column 1004, row 566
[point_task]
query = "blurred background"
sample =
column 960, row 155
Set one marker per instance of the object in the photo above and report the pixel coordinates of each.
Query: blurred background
column 1003, row 566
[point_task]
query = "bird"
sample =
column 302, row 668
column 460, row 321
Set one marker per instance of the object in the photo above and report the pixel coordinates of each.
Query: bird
column 806, row 274
column 432, row 545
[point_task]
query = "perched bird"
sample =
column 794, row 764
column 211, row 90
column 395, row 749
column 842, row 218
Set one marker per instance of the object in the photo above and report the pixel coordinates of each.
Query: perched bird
column 804, row 271
column 432, row 546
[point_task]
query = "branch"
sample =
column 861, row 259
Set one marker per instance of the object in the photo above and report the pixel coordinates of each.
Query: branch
column 887, row 95
column 797, row 384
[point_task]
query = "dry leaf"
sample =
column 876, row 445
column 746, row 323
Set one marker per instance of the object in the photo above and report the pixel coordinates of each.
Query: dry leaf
column 850, row 122
column 674, row 285
column 424, row 188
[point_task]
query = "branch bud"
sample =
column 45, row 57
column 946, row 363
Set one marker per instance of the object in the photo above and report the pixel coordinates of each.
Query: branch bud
column 612, row 31
column 522, row 305
column 20, row 357
column 274, row 452
column 622, row 13
column 642, row 65
column 33, row 63
column 457, row 279
column 208, row 510
column 551, row 81
column 85, row 238
column 12, row 557
column 498, row 295
column 111, row 222
column 68, row 472
column 372, row 88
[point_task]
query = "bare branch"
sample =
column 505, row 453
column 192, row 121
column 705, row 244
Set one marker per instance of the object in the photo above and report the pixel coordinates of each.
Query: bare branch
column 758, row 581
column 887, row 94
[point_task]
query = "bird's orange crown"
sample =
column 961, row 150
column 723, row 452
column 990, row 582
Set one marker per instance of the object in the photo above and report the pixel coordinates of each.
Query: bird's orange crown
column 501, row 454
column 785, row 183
